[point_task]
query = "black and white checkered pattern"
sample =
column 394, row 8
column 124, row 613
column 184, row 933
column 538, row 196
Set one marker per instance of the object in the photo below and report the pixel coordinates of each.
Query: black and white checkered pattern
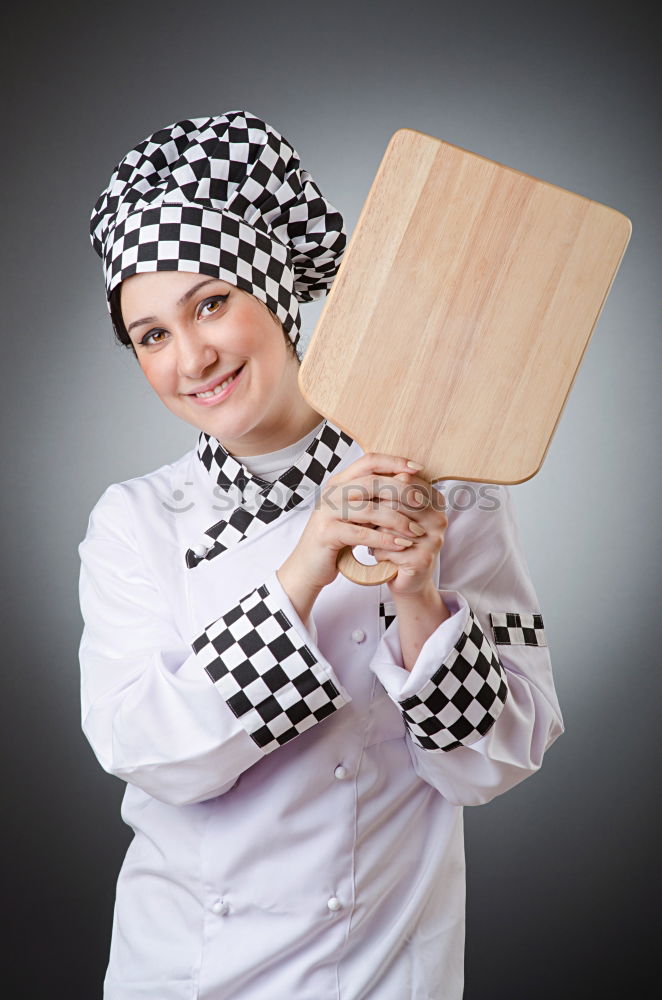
column 265, row 672
column 512, row 628
column 225, row 196
column 261, row 501
column 191, row 238
column 386, row 615
column 463, row 698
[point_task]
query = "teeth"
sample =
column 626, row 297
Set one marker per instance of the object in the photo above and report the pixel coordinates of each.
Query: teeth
column 217, row 390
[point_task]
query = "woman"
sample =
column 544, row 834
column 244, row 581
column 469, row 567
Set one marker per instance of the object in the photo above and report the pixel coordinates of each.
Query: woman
column 297, row 749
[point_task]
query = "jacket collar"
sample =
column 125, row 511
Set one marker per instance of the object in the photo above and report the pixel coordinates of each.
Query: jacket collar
column 259, row 501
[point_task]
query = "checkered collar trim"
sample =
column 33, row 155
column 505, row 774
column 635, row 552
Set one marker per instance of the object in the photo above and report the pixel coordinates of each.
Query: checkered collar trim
column 258, row 501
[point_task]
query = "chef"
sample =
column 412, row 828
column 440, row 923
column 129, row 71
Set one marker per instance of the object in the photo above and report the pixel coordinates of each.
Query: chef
column 297, row 749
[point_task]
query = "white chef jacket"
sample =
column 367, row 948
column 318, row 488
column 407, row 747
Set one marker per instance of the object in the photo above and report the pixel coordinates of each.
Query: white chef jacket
column 296, row 795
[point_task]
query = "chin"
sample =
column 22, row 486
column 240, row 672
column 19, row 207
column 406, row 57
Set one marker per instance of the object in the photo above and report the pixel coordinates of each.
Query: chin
column 229, row 429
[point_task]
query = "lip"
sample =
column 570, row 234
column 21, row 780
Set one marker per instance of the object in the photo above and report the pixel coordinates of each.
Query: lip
column 212, row 400
column 213, row 383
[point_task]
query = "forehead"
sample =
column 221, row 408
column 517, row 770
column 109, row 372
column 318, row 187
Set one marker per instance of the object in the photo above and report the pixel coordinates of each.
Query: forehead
column 164, row 287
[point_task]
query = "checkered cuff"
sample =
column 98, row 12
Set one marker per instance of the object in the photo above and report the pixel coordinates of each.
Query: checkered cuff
column 266, row 673
column 463, row 698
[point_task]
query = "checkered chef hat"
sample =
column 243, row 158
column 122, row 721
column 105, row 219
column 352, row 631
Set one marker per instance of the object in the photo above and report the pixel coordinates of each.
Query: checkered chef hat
column 224, row 196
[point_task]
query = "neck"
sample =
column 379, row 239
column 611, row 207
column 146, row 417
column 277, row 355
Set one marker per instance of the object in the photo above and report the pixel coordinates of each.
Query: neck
column 292, row 422
column 288, row 418
column 287, row 433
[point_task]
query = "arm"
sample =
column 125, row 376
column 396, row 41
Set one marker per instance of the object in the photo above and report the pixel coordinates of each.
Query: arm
column 418, row 617
column 161, row 712
column 479, row 700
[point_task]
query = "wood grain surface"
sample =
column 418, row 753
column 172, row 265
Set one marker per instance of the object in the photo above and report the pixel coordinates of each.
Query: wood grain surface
column 461, row 312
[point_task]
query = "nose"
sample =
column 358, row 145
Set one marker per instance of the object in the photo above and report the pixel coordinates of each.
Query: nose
column 195, row 354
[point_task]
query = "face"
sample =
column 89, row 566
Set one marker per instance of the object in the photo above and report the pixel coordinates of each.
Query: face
column 191, row 334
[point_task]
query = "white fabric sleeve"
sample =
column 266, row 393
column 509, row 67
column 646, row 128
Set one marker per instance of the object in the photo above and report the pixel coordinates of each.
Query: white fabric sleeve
column 479, row 704
column 149, row 709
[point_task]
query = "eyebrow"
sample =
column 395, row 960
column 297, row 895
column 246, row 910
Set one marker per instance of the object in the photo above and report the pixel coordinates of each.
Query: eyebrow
column 185, row 297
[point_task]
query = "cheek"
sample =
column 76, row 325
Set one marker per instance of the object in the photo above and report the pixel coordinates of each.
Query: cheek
column 253, row 328
column 157, row 375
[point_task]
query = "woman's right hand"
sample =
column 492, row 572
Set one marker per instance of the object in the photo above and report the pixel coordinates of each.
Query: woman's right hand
column 365, row 504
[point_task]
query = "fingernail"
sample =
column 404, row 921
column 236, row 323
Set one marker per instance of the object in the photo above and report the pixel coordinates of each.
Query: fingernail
column 418, row 497
column 415, row 465
column 416, row 528
column 409, row 572
column 403, row 541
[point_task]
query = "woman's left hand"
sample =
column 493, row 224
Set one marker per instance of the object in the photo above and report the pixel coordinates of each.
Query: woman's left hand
column 417, row 562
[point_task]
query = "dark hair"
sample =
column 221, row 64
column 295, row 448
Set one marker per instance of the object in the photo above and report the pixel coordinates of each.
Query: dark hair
column 119, row 329
column 123, row 337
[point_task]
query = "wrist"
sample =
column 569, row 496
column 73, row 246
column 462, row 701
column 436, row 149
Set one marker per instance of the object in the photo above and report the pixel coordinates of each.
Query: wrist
column 423, row 609
column 301, row 594
column 427, row 596
column 419, row 615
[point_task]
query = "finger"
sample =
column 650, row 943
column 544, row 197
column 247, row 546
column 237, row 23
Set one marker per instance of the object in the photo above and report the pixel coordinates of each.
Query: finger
column 418, row 495
column 425, row 526
column 356, row 501
column 407, row 570
column 421, row 520
column 429, row 544
column 375, row 462
column 386, row 516
column 347, row 533
column 376, row 487
column 421, row 498
column 384, row 555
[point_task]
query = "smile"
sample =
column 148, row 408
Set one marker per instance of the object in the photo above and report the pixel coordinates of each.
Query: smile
column 220, row 391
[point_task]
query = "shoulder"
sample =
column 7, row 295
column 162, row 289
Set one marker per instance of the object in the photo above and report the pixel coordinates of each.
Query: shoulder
column 479, row 514
column 461, row 496
column 467, row 501
column 145, row 498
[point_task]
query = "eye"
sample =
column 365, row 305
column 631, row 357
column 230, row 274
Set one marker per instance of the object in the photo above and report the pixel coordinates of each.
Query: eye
column 213, row 304
column 145, row 342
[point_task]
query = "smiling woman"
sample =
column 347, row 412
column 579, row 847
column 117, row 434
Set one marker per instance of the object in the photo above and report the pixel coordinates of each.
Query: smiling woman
column 208, row 342
column 297, row 750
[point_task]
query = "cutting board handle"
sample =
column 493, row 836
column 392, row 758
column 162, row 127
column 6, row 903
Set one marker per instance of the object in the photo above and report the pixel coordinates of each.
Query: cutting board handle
column 358, row 572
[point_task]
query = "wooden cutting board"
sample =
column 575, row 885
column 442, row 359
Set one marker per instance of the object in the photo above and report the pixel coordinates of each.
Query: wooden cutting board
column 459, row 316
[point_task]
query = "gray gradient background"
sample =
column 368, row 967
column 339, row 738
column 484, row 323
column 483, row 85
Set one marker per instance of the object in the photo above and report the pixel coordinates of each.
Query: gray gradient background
column 561, row 869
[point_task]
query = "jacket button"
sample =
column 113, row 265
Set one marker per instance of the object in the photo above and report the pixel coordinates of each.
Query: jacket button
column 358, row 635
column 341, row 772
column 220, row 908
column 200, row 550
column 334, row 903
